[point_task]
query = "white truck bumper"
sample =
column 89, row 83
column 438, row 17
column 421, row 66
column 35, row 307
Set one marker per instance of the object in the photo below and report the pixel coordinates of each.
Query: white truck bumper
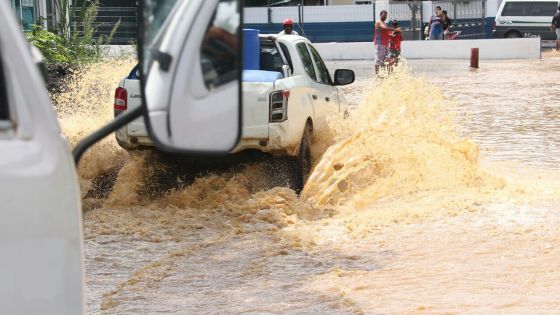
column 280, row 141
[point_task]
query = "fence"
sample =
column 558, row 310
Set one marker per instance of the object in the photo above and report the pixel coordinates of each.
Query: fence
column 347, row 23
column 108, row 17
column 468, row 17
column 333, row 23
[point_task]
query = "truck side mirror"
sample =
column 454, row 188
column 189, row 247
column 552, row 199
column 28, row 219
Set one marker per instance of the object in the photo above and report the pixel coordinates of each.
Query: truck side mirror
column 343, row 77
column 190, row 65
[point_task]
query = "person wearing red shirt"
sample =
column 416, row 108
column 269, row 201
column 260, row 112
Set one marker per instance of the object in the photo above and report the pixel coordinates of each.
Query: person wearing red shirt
column 395, row 44
column 381, row 39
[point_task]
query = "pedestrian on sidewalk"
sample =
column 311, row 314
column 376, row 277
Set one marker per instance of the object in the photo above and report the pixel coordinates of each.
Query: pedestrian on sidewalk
column 381, row 40
column 436, row 25
column 555, row 27
column 395, row 44
column 446, row 23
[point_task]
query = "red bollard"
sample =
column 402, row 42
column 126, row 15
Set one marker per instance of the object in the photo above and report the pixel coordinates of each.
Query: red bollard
column 474, row 58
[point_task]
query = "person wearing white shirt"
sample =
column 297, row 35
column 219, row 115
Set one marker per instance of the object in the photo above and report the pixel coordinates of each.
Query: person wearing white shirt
column 288, row 28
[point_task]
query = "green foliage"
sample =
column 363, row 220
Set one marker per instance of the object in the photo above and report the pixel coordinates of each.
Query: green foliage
column 73, row 40
column 51, row 45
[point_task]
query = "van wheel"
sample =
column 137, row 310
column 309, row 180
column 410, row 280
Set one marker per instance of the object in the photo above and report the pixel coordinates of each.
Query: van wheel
column 303, row 163
column 513, row 34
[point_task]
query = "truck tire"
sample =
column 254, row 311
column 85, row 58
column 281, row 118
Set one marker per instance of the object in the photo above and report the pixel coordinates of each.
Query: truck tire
column 303, row 162
column 513, row 34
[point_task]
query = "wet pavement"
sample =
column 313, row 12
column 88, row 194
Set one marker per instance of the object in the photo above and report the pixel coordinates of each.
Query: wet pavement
column 439, row 195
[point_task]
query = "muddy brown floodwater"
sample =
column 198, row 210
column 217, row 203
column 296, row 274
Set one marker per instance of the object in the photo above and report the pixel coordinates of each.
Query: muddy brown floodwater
column 439, row 195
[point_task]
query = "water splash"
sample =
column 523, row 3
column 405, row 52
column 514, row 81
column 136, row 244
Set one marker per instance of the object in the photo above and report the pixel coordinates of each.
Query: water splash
column 85, row 107
column 400, row 141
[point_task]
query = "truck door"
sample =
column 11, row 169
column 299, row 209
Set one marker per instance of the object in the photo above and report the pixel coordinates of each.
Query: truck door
column 326, row 86
column 40, row 213
column 315, row 93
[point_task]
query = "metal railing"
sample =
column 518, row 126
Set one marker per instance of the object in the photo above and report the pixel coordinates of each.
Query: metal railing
column 355, row 22
column 468, row 16
column 108, row 17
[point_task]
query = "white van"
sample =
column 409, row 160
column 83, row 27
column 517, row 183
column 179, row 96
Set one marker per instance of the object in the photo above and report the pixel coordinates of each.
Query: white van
column 522, row 18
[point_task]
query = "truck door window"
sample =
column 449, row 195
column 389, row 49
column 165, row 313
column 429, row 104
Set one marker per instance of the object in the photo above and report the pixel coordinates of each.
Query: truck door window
column 4, row 109
column 324, row 76
column 516, row 9
column 543, row 8
column 286, row 52
column 219, row 49
column 306, row 59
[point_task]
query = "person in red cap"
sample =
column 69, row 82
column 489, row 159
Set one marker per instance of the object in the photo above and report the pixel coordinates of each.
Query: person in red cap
column 288, row 28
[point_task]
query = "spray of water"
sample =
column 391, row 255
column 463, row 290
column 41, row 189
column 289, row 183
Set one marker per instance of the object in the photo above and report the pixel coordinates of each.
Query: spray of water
column 86, row 106
column 401, row 142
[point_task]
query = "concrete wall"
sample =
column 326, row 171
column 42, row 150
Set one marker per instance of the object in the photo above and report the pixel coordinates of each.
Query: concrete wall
column 118, row 51
column 523, row 48
column 346, row 51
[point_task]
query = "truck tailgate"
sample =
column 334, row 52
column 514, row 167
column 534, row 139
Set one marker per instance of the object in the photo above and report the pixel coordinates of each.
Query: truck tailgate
column 256, row 109
column 136, row 128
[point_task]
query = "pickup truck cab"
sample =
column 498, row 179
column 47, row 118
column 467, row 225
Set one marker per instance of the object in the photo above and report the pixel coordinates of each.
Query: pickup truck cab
column 289, row 98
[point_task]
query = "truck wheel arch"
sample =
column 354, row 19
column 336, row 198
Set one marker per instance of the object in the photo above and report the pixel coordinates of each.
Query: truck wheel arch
column 308, row 125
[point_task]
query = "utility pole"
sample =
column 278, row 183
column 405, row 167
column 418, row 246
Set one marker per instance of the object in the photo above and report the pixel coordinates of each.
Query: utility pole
column 269, row 12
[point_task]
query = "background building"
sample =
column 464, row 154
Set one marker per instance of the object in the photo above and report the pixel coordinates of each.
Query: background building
column 28, row 11
column 320, row 20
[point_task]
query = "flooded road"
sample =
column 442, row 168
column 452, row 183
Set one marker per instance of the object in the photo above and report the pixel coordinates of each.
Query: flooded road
column 510, row 108
column 439, row 195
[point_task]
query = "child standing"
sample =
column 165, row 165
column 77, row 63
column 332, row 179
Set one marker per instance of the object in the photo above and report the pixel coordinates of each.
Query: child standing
column 395, row 44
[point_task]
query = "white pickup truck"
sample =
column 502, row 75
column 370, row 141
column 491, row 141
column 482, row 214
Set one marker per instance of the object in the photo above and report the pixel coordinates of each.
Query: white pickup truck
column 284, row 102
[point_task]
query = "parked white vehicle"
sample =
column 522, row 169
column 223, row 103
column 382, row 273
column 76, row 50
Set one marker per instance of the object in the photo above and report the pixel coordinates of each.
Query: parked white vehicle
column 523, row 18
column 284, row 102
column 41, row 245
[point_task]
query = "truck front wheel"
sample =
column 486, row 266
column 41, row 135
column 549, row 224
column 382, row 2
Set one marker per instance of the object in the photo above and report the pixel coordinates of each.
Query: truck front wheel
column 303, row 163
